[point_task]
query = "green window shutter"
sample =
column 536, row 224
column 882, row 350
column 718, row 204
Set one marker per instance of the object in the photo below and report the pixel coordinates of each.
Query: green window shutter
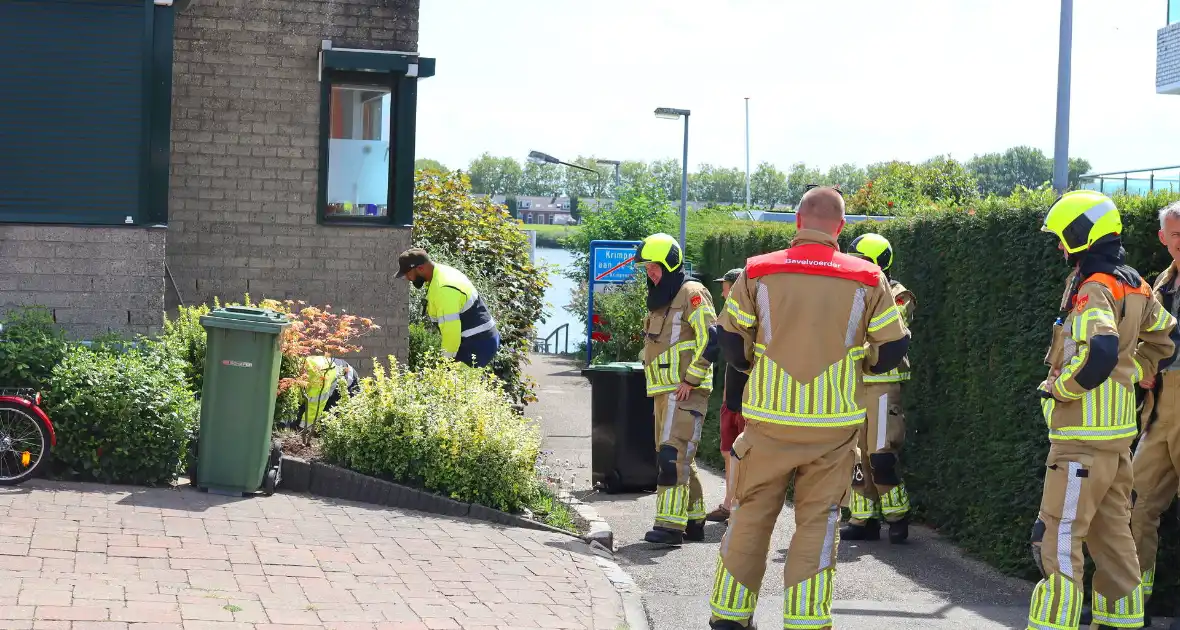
column 72, row 115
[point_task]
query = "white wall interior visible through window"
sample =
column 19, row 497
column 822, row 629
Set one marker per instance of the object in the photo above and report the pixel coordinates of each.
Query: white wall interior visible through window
column 359, row 151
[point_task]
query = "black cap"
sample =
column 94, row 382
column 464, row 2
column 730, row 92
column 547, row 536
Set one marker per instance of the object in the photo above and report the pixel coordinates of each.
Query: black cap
column 730, row 276
column 411, row 258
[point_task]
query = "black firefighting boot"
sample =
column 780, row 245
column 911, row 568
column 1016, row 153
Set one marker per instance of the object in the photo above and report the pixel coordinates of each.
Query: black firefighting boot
column 664, row 536
column 695, row 531
column 725, row 624
column 871, row 530
column 899, row 530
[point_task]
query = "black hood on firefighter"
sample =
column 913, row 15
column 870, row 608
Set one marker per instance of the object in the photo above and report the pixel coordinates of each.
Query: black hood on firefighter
column 660, row 295
column 1106, row 255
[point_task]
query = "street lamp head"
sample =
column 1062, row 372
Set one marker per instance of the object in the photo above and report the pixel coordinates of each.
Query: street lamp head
column 613, row 162
column 536, row 157
column 670, row 113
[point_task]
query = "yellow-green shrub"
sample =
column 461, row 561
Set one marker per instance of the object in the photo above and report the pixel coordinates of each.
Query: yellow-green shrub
column 447, row 428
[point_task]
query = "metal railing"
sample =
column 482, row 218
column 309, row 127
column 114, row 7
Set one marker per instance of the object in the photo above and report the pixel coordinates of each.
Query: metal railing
column 1134, row 182
column 542, row 344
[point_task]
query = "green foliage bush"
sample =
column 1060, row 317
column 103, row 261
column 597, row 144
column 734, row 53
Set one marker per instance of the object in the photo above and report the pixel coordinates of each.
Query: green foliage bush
column 897, row 187
column 988, row 283
column 120, row 417
column 618, row 328
column 32, row 344
column 424, row 345
column 185, row 339
column 482, row 240
column 640, row 210
column 446, row 427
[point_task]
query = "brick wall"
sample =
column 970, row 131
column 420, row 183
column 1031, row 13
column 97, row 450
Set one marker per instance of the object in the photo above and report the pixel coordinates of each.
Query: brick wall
column 245, row 137
column 94, row 279
column 1167, row 67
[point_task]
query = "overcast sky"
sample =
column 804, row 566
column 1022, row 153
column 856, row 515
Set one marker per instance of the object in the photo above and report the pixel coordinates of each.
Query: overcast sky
column 829, row 81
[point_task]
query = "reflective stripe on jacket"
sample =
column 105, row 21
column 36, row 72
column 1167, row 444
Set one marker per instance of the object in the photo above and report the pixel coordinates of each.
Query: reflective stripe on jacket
column 904, row 299
column 1103, row 313
column 673, row 351
column 321, row 382
column 805, row 315
column 455, row 305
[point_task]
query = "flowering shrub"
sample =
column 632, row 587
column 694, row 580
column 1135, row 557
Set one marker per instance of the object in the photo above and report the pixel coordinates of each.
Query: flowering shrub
column 316, row 331
column 896, row 187
column 313, row 331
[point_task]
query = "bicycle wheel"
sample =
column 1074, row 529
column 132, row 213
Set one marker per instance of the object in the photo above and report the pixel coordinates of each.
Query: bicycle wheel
column 24, row 444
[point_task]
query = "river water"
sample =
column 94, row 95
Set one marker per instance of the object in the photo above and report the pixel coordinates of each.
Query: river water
column 559, row 293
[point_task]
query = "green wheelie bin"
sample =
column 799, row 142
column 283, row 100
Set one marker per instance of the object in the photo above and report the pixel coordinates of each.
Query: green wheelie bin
column 235, row 454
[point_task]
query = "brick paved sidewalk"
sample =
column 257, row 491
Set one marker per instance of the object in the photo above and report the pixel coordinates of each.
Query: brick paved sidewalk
column 83, row 556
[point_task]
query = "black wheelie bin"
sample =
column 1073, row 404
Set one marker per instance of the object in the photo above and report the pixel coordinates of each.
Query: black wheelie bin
column 622, row 429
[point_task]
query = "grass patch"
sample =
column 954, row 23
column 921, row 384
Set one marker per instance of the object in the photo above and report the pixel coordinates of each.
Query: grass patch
column 232, row 608
column 548, row 509
column 551, row 235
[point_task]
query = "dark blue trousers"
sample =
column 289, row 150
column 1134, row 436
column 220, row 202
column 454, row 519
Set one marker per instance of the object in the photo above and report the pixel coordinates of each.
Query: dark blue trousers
column 483, row 347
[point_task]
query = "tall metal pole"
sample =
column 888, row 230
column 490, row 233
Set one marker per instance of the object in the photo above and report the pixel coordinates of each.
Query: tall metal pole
column 684, row 193
column 1061, row 144
column 747, row 152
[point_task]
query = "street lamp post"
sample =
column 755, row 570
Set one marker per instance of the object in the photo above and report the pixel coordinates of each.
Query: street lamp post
column 616, row 165
column 747, row 153
column 1061, row 142
column 536, row 157
column 673, row 114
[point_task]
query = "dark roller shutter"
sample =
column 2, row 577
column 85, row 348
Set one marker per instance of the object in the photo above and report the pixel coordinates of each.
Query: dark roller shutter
column 71, row 109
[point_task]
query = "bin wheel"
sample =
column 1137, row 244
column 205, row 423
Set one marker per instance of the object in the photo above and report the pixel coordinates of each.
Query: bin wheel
column 271, row 482
column 613, row 482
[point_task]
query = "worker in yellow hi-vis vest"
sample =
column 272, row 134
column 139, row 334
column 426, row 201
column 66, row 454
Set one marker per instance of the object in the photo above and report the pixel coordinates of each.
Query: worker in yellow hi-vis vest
column 468, row 331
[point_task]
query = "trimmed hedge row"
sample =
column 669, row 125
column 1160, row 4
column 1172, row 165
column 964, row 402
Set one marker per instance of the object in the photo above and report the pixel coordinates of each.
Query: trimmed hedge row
column 988, row 283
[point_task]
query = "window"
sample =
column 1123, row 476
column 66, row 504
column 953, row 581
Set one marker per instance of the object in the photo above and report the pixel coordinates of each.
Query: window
column 85, row 112
column 367, row 112
column 358, row 152
column 1173, row 11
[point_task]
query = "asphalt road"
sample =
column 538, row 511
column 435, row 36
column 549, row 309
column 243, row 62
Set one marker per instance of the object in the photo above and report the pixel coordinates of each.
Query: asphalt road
column 924, row 584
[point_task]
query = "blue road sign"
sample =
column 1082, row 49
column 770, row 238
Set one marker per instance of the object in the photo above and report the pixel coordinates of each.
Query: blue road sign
column 611, row 262
column 613, row 265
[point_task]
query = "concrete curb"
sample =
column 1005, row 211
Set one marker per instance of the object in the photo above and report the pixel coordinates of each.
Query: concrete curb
column 634, row 613
column 600, row 530
column 325, row 480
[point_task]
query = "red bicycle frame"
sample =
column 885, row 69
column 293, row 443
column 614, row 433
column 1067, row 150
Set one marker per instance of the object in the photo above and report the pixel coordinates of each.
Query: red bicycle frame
column 34, row 407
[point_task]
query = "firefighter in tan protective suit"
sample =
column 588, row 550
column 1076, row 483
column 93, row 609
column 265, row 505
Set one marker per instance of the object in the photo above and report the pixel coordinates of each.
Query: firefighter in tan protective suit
column 1156, row 462
column 1112, row 333
column 797, row 320
column 680, row 378
column 877, row 487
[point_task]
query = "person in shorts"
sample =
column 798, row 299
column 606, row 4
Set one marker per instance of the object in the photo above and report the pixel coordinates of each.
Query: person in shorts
column 732, row 422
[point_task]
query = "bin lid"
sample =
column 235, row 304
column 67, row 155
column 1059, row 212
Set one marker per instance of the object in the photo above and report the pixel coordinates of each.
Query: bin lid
column 617, row 366
column 247, row 318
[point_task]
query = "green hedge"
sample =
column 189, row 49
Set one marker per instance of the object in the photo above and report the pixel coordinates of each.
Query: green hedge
column 987, row 283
